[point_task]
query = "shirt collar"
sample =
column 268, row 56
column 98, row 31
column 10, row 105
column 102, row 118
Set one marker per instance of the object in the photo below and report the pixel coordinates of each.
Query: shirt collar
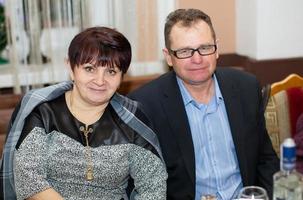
column 187, row 98
column 219, row 97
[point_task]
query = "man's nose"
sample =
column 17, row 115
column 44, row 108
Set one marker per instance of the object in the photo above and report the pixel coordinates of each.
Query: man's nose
column 197, row 58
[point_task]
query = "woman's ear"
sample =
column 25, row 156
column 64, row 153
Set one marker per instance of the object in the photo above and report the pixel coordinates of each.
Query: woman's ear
column 69, row 68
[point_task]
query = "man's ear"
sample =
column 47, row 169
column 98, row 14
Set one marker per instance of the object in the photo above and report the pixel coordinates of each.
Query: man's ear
column 217, row 52
column 168, row 57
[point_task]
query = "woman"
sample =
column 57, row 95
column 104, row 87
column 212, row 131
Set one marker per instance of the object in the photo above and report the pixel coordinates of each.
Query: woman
column 82, row 140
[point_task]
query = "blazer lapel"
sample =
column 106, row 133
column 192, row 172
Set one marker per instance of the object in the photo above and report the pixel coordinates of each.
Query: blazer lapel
column 234, row 110
column 177, row 118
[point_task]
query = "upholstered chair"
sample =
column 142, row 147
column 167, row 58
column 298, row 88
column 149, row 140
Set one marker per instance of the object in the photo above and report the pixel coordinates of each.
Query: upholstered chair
column 284, row 114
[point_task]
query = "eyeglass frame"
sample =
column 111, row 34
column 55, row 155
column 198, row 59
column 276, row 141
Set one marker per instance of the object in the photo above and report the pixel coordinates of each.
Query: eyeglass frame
column 174, row 52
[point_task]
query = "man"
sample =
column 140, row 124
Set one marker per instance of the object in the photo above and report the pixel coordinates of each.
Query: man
column 210, row 122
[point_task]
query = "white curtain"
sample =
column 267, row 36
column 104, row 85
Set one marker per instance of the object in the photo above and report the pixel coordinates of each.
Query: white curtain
column 40, row 31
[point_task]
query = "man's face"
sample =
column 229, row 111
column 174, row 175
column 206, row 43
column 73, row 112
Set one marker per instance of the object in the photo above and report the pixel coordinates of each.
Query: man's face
column 197, row 69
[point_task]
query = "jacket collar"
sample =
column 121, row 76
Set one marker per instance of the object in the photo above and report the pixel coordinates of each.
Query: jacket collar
column 175, row 111
column 174, row 108
column 234, row 108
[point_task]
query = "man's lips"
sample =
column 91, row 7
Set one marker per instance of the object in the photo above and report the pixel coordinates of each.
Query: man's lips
column 197, row 69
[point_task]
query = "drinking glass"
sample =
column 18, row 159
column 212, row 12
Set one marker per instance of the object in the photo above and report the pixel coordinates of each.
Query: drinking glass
column 208, row 197
column 253, row 192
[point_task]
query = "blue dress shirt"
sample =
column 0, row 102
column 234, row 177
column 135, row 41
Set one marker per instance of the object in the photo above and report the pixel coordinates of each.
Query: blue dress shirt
column 217, row 168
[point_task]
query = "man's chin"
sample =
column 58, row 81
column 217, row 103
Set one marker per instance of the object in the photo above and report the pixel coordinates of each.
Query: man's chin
column 198, row 81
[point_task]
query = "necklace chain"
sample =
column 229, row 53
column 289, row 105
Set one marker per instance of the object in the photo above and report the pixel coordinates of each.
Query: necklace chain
column 88, row 153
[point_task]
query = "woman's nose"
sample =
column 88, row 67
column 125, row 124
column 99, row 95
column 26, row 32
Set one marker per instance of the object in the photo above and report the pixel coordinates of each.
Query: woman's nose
column 99, row 79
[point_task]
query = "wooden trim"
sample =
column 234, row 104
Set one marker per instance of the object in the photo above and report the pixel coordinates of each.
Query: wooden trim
column 226, row 60
column 267, row 71
column 270, row 71
column 8, row 101
column 131, row 83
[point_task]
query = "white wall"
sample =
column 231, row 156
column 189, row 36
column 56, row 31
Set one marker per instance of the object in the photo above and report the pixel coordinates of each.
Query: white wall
column 246, row 27
column 270, row 29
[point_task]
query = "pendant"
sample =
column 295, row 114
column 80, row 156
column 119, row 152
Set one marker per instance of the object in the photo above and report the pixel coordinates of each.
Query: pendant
column 89, row 175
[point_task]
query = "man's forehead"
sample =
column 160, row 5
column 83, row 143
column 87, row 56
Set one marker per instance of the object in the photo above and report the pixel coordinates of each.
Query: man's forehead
column 188, row 25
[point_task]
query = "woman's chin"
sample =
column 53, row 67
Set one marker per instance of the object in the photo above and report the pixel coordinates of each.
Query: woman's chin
column 97, row 102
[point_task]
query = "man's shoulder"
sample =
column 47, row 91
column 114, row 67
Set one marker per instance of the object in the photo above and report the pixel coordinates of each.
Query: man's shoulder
column 232, row 74
column 228, row 71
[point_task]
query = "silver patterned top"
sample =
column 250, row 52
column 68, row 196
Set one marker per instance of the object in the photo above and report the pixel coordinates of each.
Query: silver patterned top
column 58, row 161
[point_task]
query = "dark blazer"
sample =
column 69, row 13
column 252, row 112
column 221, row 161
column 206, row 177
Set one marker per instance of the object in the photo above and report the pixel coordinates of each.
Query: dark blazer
column 162, row 101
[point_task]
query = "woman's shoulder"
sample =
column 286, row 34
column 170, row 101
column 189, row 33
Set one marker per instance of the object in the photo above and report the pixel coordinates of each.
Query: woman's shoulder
column 48, row 107
column 43, row 115
column 132, row 107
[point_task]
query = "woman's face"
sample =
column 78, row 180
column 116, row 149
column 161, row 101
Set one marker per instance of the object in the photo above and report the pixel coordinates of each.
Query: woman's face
column 95, row 85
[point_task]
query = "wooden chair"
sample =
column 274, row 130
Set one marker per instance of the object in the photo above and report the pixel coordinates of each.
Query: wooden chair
column 291, row 81
column 284, row 108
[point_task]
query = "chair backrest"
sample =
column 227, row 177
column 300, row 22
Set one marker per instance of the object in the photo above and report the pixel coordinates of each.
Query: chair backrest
column 291, row 81
column 284, row 113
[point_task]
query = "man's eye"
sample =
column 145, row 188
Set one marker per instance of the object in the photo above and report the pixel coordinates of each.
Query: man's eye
column 184, row 51
column 206, row 47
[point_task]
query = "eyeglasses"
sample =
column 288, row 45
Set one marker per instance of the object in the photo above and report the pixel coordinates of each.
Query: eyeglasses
column 203, row 50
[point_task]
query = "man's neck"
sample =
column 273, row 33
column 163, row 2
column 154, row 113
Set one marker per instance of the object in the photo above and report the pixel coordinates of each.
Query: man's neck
column 202, row 93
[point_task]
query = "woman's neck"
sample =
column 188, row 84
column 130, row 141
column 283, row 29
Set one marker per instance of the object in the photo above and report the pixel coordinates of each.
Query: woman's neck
column 83, row 111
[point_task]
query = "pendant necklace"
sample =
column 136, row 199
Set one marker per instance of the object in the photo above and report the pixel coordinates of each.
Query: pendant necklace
column 89, row 175
column 88, row 153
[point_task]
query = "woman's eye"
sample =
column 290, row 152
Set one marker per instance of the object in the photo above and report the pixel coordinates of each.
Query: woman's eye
column 112, row 71
column 89, row 69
